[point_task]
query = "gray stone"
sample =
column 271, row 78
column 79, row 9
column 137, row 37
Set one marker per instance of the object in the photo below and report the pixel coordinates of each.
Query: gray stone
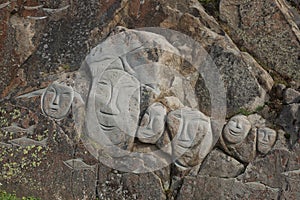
column 278, row 90
column 219, row 164
column 267, row 170
column 266, row 41
column 291, row 96
column 289, row 119
column 144, row 186
column 203, row 187
column 192, row 136
column 256, row 120
column 291, row 188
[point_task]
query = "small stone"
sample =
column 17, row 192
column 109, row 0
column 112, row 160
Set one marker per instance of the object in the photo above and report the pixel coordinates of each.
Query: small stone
column 291, row 96
column 278, row 90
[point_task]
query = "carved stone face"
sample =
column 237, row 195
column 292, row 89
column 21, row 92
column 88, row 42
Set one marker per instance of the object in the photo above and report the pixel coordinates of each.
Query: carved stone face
column 57, row 100
column 152, row 124
column 236, row 129
column 265, row 139
column 117, row 101
column 192, row 134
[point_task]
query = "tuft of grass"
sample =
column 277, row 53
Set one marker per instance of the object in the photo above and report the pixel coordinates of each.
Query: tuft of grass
column 244, row 111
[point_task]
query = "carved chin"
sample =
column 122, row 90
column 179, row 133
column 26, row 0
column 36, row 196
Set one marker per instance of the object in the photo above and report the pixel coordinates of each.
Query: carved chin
column 145, row 133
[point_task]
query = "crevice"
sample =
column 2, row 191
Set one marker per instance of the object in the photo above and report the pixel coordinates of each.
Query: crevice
column 97, row 195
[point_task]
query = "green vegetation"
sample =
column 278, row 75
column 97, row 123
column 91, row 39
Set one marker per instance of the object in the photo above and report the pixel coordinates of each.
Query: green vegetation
column 6, row 196
column 246, row 112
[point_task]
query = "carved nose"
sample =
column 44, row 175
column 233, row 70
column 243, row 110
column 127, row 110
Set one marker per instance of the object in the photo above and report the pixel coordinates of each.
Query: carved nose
column 183, row 132
column 111, row 107
column 265, row 138
column 238, row 125
column 56, row 100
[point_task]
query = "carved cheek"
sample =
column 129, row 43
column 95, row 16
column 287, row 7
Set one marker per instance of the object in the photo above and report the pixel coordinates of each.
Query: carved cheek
column 65, row 101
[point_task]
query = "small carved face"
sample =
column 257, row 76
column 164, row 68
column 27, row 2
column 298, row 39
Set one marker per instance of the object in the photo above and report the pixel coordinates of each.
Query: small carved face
column 265, row 139
column 57, row 100
column 153, row 123
column 192, row 134
column 236, row 129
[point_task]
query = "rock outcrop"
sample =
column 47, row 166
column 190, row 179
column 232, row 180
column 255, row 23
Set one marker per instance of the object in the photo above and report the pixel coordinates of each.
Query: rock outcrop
column 50, row 146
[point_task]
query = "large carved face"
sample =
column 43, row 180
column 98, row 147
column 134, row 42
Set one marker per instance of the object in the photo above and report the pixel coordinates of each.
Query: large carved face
column 265, row 139
column 152, row 124
column 236, row 129
column 191, row 132
column 57, row 100
column 117, row 101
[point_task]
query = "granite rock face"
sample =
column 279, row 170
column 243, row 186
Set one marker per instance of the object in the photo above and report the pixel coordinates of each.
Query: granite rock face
column 203, row 187
column 219, row 164
column 266, row 30
column 253, row 45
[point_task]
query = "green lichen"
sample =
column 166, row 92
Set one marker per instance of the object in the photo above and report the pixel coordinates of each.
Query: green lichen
column 15, row 114
column 7, row 196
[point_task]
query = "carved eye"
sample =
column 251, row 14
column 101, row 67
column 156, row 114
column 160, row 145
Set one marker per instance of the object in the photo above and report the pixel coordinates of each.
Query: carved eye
column 102, row 83
column 51, row 90
column 66, row 94
column 177, row 115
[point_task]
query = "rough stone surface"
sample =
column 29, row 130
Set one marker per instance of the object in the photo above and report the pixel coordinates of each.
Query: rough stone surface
column 219, row 164
column 266, row 30
column 203, row 187
column 289, row 119
column 269, row 170
column 291, row 96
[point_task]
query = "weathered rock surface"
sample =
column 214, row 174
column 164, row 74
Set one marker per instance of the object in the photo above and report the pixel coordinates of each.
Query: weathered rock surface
column 267, row 31
column 219, row 164
column 291, row 96
column 269, row 170
column 203, row 187
column 289, row 119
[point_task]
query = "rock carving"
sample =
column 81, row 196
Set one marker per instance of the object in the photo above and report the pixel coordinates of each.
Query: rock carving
column 57, row 100
column 192, row 134
column 266, row 138
column 236, row 129
column 130, row 106
column 153, row 123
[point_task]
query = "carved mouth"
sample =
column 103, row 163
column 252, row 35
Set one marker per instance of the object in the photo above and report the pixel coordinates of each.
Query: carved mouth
column 106, row 127
column 185, row 143
column 53, row 110
column 264, row 143
column 107, row 113
column 234, row 133
column 145, row 133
